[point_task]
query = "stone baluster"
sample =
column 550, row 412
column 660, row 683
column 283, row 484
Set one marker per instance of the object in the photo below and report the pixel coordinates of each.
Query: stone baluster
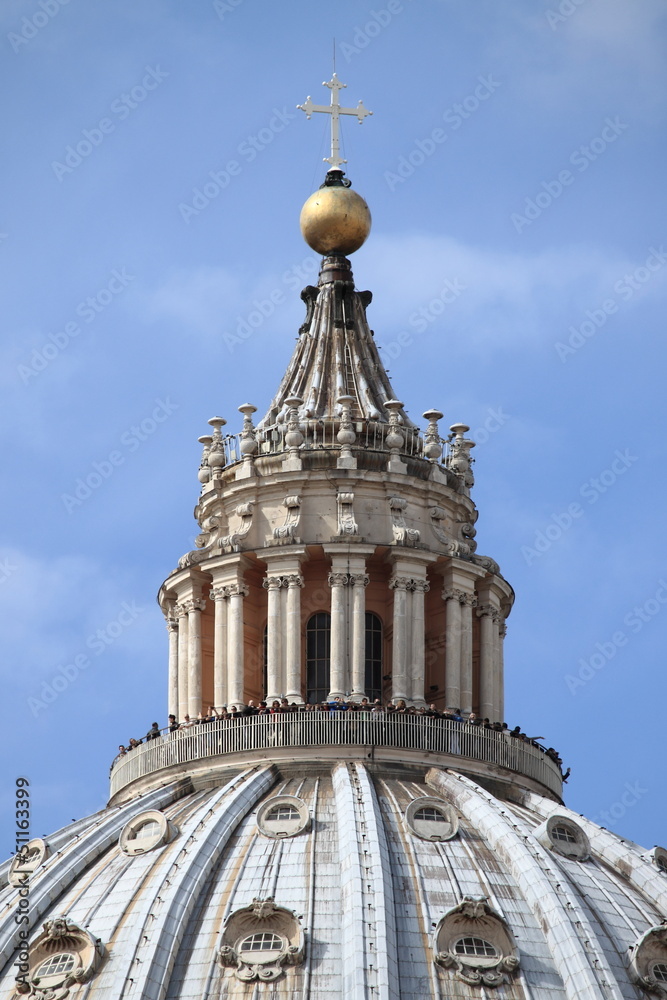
column 359, row 582
column 217, row 458
column 294, row 583
column 274, row 632
column 294, row 436
column 248, row 443
column 219, row 595
column 346, row 435
column 418, row 647
column 399, row 585
column 235, row 645
column 432, row 441
column 338, row 657
column 204, row 474
column 395, row 438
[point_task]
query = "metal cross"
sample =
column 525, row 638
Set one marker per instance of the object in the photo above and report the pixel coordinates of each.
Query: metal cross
column 334, row 109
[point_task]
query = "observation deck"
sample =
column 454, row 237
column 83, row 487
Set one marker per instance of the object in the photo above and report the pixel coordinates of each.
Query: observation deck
column 304, row 738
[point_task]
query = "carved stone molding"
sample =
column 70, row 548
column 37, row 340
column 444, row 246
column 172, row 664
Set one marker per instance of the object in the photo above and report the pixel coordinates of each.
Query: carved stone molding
column 493, row 957
column 487, row 563
column 346, row 521
column 287, row 530
column 402, row 535
column 81, row 954
column 205, row 543
column 232, row 541
column 247, row 928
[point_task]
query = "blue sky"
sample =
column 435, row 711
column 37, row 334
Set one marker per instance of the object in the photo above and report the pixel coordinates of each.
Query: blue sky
column 514, row 166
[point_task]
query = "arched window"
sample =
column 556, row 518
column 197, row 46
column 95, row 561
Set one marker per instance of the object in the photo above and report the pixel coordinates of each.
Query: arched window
column 373, row 677
column 318, row 657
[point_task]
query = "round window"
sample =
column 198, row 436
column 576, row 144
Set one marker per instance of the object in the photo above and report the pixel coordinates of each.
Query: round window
column 283, row 816
column 476, row 947
column 145, row 832
column 563, row 834
column 431, row 819
column 565, row 837
column 261, row 947
column 148, row 829
column 660, row 972
column 55, row 969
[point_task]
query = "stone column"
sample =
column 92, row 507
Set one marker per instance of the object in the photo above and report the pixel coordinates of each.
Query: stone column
column 235, row 645
column 359, row 582
column 183, row 705
column 399, row 669
column 172, row 629
column 275, row 685
column 468, row 602
column 195, row 607
column 487, row 649
column 453, row 694
column 338, row 582
column 500, row 670
column 220, row 597
column 417, row 643
column 293, row 693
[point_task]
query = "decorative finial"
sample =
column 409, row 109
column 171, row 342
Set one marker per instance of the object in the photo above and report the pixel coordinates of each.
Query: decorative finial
column 335, row 110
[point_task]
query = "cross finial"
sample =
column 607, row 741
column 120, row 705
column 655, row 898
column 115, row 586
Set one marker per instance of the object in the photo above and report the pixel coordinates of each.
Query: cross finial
column 335, row 110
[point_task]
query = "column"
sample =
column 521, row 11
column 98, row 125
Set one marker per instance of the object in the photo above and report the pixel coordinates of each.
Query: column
column 172, row 629
column 359, row 582
column 500, row 670
column 275, row 686
column 399, row 667
column 338, row 583
column 293, row 639
column 220, row 598
column 453, row 694
column 235, row 645
column 487, row 708
column 468, row 602
column 182, row 615
column 195, row 606
column 417, row 644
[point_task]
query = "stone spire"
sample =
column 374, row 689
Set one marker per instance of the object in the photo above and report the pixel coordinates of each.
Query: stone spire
column 336, row 355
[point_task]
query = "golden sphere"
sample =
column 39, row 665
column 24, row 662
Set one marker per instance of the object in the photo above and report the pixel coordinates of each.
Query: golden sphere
column 335, row 220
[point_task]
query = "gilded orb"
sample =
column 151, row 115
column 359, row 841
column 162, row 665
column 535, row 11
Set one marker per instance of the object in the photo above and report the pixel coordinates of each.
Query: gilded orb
column 335, row 219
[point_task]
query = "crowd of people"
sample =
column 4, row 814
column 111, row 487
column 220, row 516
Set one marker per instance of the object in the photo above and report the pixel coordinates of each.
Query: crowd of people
column 337, row 705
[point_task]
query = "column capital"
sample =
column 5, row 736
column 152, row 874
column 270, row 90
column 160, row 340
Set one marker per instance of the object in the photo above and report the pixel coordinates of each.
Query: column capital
column 218, row 593
column 359, row 579
column 502, row 629
column 180, row 609
column 400, row 583
column 293, row 580
column 338, row 579
column 464, row 597
column 237, row 590
column 273, row 582
column 172, row 624
column 421, row 586
column 488, row 611
column 193, row 604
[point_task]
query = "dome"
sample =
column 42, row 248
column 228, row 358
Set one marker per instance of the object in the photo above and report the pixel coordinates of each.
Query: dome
column 357, row 902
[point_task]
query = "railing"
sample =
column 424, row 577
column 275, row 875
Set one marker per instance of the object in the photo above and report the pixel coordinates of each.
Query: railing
column 319, row 434
column 315, row 729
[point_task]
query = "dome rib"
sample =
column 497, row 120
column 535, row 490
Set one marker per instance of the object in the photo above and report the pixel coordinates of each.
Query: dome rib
column 368, row 944
column 164, row 937
column 585, row 976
